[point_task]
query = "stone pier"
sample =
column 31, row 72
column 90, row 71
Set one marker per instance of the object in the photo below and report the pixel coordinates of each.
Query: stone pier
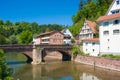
column 36, row 56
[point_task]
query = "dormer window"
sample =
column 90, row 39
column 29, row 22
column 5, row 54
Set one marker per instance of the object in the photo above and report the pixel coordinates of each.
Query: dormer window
column 117, row 2
column 114, row 12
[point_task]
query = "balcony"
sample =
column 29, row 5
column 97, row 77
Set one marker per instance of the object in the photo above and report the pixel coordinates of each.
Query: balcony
column 45, row 37
column 45, row 42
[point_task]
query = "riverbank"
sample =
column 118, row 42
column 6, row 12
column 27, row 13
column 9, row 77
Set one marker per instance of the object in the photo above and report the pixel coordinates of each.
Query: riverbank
column 107, row 63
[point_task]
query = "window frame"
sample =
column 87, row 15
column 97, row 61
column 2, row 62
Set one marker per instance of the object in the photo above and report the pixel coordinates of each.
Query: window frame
column 105, row 32
column 117, row 2
column 115, row 22
column 106, row 23
column 115, row 32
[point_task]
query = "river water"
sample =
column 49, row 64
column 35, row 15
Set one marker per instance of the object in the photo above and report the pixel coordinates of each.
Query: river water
column 55, row 69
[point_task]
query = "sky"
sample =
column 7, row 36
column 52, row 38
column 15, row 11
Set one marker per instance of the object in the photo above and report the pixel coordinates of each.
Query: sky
column 40, row 11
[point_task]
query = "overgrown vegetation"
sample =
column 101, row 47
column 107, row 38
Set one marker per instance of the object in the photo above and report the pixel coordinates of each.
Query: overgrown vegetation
column 89, row 9
column 76, row 51
column 23, row 32
column 111, row 56
column 5, row 71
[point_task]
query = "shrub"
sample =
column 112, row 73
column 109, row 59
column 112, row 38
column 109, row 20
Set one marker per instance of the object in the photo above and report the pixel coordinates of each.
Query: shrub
column 76, row 51
column 111, row 56
column 5, row 72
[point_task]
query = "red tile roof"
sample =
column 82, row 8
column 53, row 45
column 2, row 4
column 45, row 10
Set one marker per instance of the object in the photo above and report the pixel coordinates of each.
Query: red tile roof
column 91, row 39
column 92, row 26
column 48, row 33
column 108, row 17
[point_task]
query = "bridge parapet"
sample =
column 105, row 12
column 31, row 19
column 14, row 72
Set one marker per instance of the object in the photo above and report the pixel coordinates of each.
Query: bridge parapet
column 15, row 46
column 54, row 46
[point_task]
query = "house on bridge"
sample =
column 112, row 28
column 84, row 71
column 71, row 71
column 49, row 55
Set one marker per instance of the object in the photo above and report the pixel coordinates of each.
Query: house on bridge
column 53, row 37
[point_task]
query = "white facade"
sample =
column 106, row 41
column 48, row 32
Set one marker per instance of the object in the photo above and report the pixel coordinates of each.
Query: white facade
column 36, row 41
column 67, row 32
column 91, row 47
column 114, row 8
column 88, row 30
column 67, row 41
column 110, row 37
column 109, row 32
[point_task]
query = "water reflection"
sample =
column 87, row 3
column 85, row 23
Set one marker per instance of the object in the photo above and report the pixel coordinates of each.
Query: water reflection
column 55, row 69
column 86, row 76
column 64, row 71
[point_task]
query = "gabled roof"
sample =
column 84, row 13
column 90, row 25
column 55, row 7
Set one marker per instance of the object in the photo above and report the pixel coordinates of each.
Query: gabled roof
column 112, row 16
column 64, row 30
column 92, row 25
column 49, row 33
column 110, row 6
column 91, row 39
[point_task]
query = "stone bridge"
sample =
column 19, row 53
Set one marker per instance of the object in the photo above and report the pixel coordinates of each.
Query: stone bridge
column 36, row 53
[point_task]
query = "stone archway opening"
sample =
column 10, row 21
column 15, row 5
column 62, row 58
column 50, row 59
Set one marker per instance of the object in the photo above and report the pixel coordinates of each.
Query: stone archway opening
column 29, row 59
column 61, row 55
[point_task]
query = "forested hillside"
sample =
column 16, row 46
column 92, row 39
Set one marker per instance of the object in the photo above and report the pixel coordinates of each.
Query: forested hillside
column 23, row 32
column 89, row 9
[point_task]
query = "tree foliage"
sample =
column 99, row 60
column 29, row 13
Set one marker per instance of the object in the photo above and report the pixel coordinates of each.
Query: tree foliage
column 25, row 37
column 11, row 33
column 5, row 72
column 89, row 9
column 2, row 39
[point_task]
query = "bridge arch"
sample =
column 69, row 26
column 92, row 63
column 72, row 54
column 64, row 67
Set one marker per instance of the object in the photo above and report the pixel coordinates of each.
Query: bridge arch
column 28, row 56
column 66, row 56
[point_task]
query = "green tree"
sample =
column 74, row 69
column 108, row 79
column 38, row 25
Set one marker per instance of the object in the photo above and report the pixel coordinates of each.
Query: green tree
column 1, row 22
column 91, row 10
column 2, row 39
column 5, row 72
column 47, row 30
column 8, row 23
column 25, row 37
column 13, row 39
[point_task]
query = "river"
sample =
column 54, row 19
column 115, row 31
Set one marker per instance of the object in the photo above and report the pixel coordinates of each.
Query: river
column 55, row 69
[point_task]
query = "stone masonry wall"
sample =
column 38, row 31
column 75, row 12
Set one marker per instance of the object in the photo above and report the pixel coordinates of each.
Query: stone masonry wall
column 113, row 64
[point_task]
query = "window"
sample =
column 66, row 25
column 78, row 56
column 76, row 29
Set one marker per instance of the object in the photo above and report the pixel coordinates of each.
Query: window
column 113, row 12
column 86, row 49
column 64, row 31
column 93, row 50
column 108, row 48
column 117, row 11
column 117, row 2
column 106, row 32
column 93, row 43
column 106, row 23
column 117, row 31
column 86, row 43
column 116, row 22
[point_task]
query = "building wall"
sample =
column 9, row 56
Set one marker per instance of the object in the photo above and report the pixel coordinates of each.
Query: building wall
column 114, row 7
column 67, row 32
column 56, row 38
column 91, row 47
column 67, row 41
column 36, row 40
column 109, row 43
column 86, row 32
